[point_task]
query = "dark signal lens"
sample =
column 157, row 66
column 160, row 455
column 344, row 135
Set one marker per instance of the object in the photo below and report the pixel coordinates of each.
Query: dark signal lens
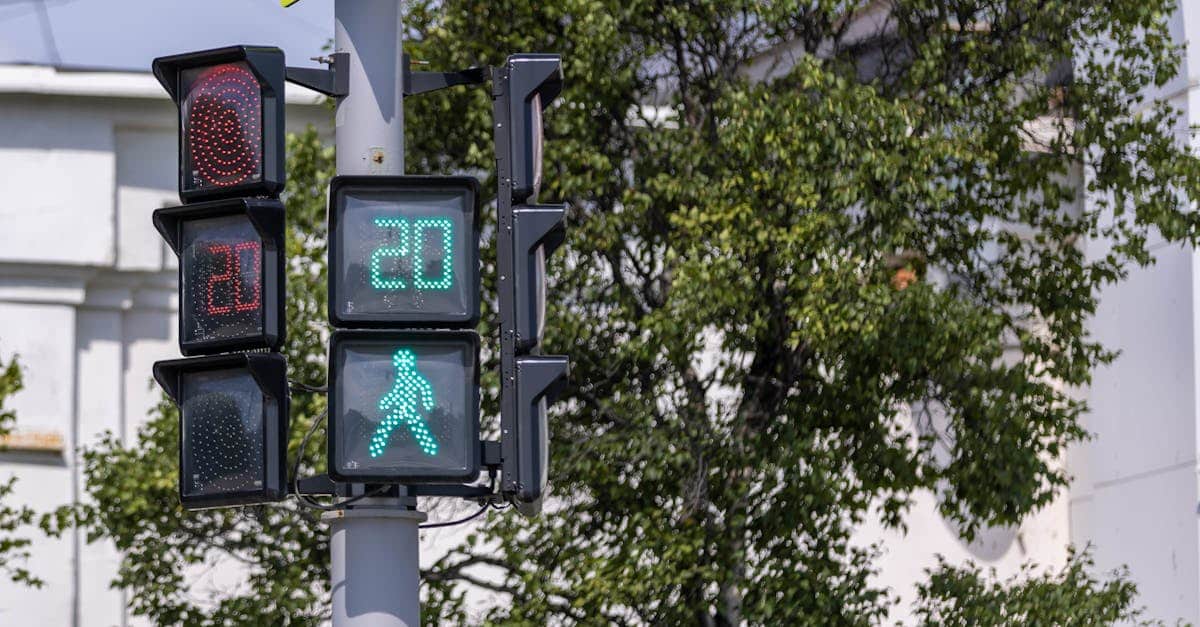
column 222, row 279
column 222, row 413
column 536, row 143
column 233, row 427
column 222, row 117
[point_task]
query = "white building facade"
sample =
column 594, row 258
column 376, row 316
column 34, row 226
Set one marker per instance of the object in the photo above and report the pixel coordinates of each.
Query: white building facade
column 87, row 296
column 1136, row 492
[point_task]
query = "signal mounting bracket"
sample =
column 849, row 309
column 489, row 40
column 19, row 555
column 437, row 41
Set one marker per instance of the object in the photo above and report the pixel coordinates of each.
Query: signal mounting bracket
column 334, row 81
column 422, row 82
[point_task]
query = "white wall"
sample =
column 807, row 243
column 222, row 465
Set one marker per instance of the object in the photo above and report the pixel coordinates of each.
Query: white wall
column 87, row 298
column 1135, row 493
column 1042, row 538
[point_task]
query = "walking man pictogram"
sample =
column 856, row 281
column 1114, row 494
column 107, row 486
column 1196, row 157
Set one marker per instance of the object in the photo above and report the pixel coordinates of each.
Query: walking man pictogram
column 402, row 404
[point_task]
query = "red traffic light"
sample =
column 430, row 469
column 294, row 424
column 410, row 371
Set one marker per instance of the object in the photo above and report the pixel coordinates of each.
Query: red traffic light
column 221, row 115
column 230, row 120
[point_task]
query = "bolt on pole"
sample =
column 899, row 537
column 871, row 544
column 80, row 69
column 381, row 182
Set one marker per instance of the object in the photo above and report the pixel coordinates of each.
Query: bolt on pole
column 374, row 571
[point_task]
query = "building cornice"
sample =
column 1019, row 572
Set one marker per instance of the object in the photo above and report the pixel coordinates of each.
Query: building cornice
column 51, row 81
column 92, row 287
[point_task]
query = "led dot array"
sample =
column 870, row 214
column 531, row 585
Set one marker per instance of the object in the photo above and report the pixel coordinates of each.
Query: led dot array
column 224, row 126
column 447, row 275
column 378, row 280
column 221, row 273
column 232, row 273
column 223, row 432
column 421, row 227
column 410, row 392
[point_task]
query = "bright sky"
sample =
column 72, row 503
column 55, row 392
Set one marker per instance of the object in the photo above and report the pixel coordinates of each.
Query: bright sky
column 128, row 34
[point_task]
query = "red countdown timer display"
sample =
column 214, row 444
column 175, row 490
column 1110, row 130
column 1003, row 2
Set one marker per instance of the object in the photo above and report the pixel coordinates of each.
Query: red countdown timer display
column 230, row 120
column 222, row 285
column 230, row 274
column 222, row 116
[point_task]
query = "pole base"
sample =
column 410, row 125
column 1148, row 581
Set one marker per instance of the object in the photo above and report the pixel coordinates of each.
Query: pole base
column 374, row 567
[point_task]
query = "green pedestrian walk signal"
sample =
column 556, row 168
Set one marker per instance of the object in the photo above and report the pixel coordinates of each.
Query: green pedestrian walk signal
column 403, row 406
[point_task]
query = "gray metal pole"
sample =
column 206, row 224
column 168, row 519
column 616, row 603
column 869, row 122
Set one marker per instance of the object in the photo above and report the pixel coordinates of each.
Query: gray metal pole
column 370, row 120
column 374, row 572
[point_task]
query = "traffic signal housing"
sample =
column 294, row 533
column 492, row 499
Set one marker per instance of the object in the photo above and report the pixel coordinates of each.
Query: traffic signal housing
column 538, row 230
column 233, row 427
column 231, row 119
column 403, row 406
column 404, row 251
column 527, row 234
column 525, row 445
column 231, row 274
column 532, row 82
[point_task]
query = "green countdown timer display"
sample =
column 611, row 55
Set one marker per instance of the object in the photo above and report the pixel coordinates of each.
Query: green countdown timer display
column 404, row 252
column 404, row 406
column 429, row 256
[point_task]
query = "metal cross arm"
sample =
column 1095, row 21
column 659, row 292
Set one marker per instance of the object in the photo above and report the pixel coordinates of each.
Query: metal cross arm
column 334, row 81
column 421, row 82
column 489, row 455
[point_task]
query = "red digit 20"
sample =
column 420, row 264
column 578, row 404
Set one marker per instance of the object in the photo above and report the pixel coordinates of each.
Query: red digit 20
column 232, row 274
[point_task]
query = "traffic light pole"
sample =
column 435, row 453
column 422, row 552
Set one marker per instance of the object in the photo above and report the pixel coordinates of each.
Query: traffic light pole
column 369, row 122
column 373, row 545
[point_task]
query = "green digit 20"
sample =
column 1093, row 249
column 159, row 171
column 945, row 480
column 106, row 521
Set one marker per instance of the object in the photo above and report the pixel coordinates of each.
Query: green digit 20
column 422, row 229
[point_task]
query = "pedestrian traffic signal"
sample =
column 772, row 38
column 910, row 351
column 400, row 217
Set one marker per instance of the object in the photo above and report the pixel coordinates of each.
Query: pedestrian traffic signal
column 231, row 275
column 403, row 406
column 404, row 251
column 231, row 115
column 233, row 427
column 527, row 234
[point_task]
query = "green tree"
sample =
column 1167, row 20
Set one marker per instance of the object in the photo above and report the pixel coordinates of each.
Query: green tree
column 814, row 238
column 1072, row 596
column 14, row 546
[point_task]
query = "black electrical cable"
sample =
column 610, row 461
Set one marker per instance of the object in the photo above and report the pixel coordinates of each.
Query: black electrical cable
column 490, row 502
column 304, row 387
column 303, row 499
column 307, row 501
column 451, row 523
